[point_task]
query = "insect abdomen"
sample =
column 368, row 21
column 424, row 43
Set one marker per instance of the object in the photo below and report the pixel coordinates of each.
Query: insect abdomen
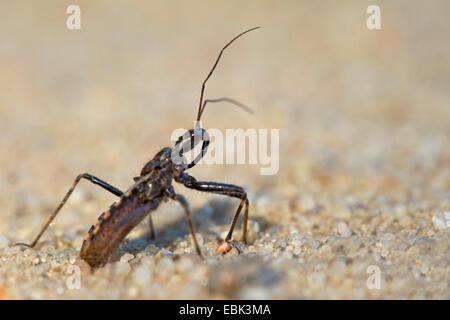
column 112, row 226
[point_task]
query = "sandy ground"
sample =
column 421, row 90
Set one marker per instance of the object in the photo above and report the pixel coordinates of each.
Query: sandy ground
column 363, row 186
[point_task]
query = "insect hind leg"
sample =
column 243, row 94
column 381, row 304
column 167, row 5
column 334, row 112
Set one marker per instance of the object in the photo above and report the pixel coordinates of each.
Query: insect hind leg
column 86, row 176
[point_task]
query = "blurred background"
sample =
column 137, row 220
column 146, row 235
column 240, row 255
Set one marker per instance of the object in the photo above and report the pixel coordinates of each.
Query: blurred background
column 364, row 115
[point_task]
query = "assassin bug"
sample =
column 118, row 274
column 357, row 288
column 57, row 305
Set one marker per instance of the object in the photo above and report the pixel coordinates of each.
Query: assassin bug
column 151, row 187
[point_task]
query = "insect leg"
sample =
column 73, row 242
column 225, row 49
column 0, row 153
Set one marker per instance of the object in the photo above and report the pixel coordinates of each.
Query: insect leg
column 152, row 229
column 86, row 176
column 182, row 200
column 224, row 189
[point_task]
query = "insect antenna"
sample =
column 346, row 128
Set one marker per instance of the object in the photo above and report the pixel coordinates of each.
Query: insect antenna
column 201, row 105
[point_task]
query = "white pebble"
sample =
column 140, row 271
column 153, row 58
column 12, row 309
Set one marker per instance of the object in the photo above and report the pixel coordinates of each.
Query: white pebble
column 126, row 257
column 344, row 230
column 4, row 242
column 183, row 244
column 314, row 244
column 296, row 243
column 442, row 220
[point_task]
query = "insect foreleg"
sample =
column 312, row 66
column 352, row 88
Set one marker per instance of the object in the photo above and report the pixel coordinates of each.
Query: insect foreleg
column 221, row 188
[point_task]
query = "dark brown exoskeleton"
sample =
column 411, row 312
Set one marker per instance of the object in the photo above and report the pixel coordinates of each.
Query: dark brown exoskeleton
column 152, row 187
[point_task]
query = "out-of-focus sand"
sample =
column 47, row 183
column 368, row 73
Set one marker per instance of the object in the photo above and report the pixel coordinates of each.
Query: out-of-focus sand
column 364, row 119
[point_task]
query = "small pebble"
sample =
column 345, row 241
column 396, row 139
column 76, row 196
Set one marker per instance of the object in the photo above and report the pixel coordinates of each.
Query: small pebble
column 442, row 220
column 30, row 253
column 183, row 244
column 224, row 247
column 4, row 242
column 126, row 257
column 297, row 243
column 344, row 230
column 281, row 243
column 151, row 249
column 314, row 244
